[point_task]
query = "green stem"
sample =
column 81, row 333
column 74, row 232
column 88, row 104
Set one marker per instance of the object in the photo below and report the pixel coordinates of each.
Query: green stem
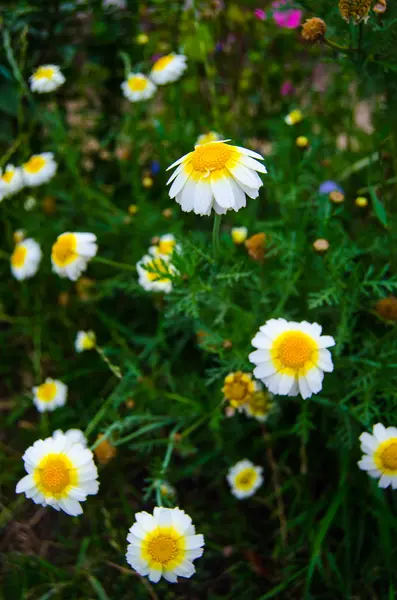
column 336, row 46
column 215, row 235
column 113, row 263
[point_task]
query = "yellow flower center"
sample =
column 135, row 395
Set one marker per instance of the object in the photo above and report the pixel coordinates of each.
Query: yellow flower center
column 387, row 455
column 64, row 250
column 34, row 164
column 137, row 84
column 159, row 266
column 88, row 342
column 44, row 73
column 259, row 404
column 211, row 157
column 18, row 257
column 294, row 350
column 8, row 176
column 163, row 62
column 54, row 475
column 46, row 391
column 163, row 549
column 211, row 136
column 238, row 388
column 166, row 246
column 246, row 479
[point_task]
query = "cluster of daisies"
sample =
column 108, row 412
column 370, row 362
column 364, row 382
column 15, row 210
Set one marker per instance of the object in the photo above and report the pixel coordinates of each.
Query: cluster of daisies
column 155, row 268
column 39, row 169
column 167, row 69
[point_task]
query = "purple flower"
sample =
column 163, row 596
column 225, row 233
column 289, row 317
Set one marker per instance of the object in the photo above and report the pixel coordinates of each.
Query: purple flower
column 289, row 18
column 329, row 186
column 260, row 14
column 287, row 88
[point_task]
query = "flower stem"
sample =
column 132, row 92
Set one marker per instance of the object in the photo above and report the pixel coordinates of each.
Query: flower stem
column 215, row 235
column 336, row 46
column 113, row 263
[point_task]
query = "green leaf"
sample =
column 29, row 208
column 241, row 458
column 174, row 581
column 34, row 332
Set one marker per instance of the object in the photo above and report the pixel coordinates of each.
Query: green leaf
column 378, row 207
column 9, row 98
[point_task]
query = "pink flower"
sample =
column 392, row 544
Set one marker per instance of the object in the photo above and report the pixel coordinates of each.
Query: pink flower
column 290, row 18
column 287, row 88
column 260, row 14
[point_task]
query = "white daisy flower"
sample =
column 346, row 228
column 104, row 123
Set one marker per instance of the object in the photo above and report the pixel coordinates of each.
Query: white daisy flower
column 165, row 246
column 291, row 357
column 137, row 87
column 168, row 68
column 46, row 79
column 72, row 252
column 49, row 395
column 39, row 169
column 61, row 473
column 294, row 117
column 25, row 259
column 216, row 176
column 74, row 435
column 11, row 181
column 30, row 203
column 380, row 455
column 206, row 138
column 244, row 479
column 164, row 544
column 239, row 235
column 153, row 282
column 85, row 340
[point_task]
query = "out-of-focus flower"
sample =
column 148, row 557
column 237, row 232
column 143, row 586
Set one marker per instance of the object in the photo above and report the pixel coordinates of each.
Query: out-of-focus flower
column 142, row 39
column 313, row 30
column 19, row 235
column 361, row 201
column 133, row 209
column 105, row 451
column 122, row 4
column 50, row 395
column 164, row 544
column 167, row 213
column 239, row 234
column 72, row 252
column 259, row 405
column 123, row 151
column 294, row 117
column 155, row 282
column 63, row 299
column 205, row 138
column 46, row 79
column 216, row 176
column 168, row 69
column 155, row 167
column 256, row 246
column 355, row 10
column 25, row 259
column 387, row 308
column 287, row 88
column 329, row 186
column 164, row 246
column 61, row 473
column 85, row 340
column 291, row 357
column 244, row 479
column 11, row 181
column 166, row 489
column 30, row 203
column 137, row 87
column 84, row 287
column 39, row 169
column 49, row 205
column 336, row 197
column 380, row 7
column 288, row 18
column 380, row 455
column 238, row 388
column 302, row 142
column 147, row 182
column 260, row 14
column 321, row 245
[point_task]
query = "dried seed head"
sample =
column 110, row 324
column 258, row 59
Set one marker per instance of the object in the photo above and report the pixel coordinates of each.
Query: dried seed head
column 387, row 308
column 321, row 245
column 355, row 10
column 313, row 30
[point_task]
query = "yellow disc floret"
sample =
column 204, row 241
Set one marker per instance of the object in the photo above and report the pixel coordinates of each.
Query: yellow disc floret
column 64, row 250
column 238, row 388
column 164, row 547
column 18, row 257
column 386, row 456
column 246, row 479
column 34, row 164
column 294, row 351
column 54, row 475
column 211, row 157
column 137, row 84
column 47, row 391
column 163, row 62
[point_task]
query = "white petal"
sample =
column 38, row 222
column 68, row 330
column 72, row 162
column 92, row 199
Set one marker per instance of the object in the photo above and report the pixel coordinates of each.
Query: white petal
column 264, row 370
column 259, row 356
column 325, row 360
column 71, row 507
column 145, row 521
column 248, row 152
column 223, row 191
column 155, row 575
column 164, row 518
column 240, row 199
column 202, row 196
column 194, row 541
column 170, row 576
column 385, row 481
column 242, row 174
column 187, row 195
column 186, row 569
column 180, row 181
column 314, row 379
column 368, row 441
column 380, row 432
column 175, row 173
column 262, row 341
column 251, row 163
column 304, row 387
column 26, row 483
column 177, row 162
column 326, row 341
column 286, row 384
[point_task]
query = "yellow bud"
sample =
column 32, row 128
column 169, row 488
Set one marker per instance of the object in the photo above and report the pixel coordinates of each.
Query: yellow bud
column 361, row 202
column 302, row 141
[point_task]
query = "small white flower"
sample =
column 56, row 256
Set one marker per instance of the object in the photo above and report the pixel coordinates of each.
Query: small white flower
column 50, row 395
column 291, row 357
column 138, row 87
column 165, row 246
column 61, row 473
column 205, row 138
column 39, row 169
column 72, row 252
column 164, row 544
column 380, row 455
column 85, row 340
column 11, row 181
column 294, row 117
column 25, row 259
column 46, row 79
column 216, row 176
column 19, row 235
column 153, row 282
column 168, row 69
column 244, row 479
column 30, row 203
column 239, row 234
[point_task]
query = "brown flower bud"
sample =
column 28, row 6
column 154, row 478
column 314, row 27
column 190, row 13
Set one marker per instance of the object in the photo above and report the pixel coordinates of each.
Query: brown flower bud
column 167, row 213
column 387, row 308
column 313, row 30
column 227, row 344
column 256, row 246
column 49, row 205
column 355, row 10
column 336, row 197
column 321, row 245
column 104, row 452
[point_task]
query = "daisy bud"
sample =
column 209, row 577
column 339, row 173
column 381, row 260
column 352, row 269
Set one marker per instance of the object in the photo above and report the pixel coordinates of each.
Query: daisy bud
column 354, row 10
column 133, row 209
column 104, row 452
column 313, row 30
column 142, row 39
column 167, row 213
column 336, row 197
column 256, row 246
column 387, row 308
column 239, row 235
column 302, row 142
column 361, row 201
column 321, row 245
column 147, row 182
